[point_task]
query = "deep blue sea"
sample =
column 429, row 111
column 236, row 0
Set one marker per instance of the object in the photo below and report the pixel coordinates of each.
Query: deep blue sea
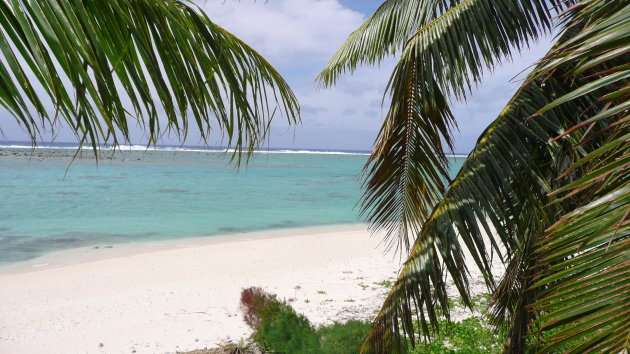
column 49, row 202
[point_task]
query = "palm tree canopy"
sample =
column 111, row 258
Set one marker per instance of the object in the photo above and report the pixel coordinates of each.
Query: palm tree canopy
column 545, row 189
column 106, row 65
column 446, row 48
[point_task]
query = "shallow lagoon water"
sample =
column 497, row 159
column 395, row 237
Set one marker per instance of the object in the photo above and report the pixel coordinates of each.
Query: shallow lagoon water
column 50, row 203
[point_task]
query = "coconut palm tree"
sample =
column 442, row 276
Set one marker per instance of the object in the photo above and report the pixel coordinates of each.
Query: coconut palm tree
column 99, row 67
column 545, row 190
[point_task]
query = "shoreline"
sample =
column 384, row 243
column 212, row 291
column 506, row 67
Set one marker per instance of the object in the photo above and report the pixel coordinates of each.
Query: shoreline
column 185, row 296
column 97, row 252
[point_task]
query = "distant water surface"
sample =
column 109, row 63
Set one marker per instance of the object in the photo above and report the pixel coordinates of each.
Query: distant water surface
column 48, row 203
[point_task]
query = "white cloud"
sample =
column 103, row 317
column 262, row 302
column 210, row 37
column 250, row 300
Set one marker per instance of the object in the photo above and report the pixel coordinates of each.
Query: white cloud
column 299, row 37
column 289, row 33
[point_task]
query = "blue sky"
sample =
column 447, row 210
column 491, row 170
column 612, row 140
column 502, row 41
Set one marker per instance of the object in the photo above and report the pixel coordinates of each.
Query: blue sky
column 298, row 37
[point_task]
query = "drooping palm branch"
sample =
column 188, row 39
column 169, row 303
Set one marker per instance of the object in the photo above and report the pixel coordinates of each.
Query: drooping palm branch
column 518, row 194
column 103, row 66
column 486, row 210
column 584, row 256
column 448, row 47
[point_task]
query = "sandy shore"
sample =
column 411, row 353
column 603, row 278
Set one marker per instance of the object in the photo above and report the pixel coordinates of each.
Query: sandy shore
column 184, row 295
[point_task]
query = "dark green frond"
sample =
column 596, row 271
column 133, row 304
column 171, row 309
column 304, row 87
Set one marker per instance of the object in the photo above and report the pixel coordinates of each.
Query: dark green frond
column 493, row 208
column 407, row 172
column 545, row 189
column 162, row 64
column 585, row 256
column 473, row 36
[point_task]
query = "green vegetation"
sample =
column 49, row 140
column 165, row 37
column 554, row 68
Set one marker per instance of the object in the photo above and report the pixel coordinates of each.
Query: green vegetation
column 162, row 64
column 276, row 325
column 342, row 338
column 546, row 190
column 282, row 330
column 385, row 283
column 470, row 335
column 279, row 329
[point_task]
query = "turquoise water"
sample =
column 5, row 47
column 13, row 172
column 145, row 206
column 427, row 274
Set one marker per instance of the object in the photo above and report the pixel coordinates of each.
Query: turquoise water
column 157, row 195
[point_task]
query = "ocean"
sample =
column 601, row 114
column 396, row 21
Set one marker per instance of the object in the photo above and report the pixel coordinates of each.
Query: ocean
column 50, row 202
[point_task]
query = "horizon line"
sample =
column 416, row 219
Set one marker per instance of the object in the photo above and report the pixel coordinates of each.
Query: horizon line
column 183, row 147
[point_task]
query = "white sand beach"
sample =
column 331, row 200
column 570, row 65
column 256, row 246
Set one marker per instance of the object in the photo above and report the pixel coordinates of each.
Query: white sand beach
column 183, row 295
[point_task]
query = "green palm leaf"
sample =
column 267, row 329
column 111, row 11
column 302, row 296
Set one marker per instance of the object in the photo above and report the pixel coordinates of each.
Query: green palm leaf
column 582, row 259
column 105, row 65
column 585, row 255
column 486, row 211
column 407, row 172
column 558, row 146
column 381, row 35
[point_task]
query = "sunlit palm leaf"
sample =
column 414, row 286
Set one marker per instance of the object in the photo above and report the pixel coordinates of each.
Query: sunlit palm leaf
column 103, row 66
column 455, row 48
column 586, row 262
column 381, row 35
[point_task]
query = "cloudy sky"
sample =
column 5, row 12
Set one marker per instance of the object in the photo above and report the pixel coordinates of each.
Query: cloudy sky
column 298, row 37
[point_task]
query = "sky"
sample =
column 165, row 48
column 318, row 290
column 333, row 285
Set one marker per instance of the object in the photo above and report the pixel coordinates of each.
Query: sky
column 298, row 37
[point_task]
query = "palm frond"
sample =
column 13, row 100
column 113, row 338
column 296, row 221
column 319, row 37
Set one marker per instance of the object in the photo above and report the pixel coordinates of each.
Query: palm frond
column 585, row 256
column 474, row 36
column 535, row 147
column 106, row 65
column 390, row 27
column 381, row 35
column 407, row 172
column 585, row 304
column 493, row 208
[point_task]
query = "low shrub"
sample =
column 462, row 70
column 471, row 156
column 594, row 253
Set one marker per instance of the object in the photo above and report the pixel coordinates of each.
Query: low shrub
column 285, row 331
column 343, row 338
column 279, row 329
column 253, row 301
